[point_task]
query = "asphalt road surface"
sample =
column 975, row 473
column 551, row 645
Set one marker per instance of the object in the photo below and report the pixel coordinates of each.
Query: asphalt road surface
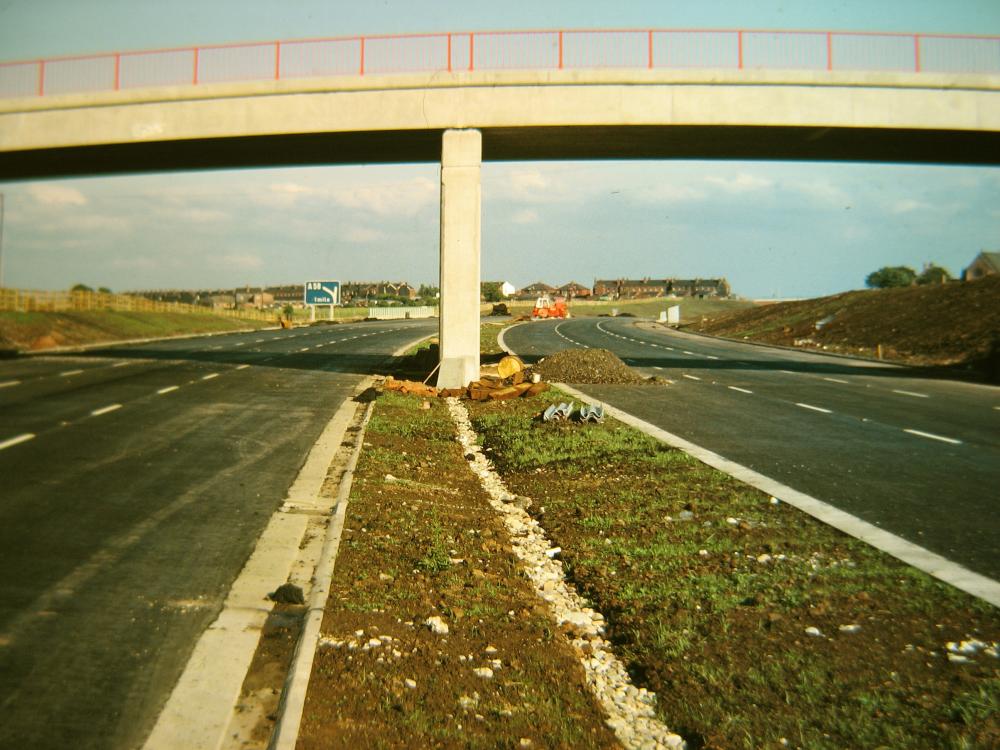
column 134, row 483
column 915, row 456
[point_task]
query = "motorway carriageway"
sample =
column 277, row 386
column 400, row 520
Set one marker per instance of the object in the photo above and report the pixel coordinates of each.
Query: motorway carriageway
column 134, row 483
column 916, row 456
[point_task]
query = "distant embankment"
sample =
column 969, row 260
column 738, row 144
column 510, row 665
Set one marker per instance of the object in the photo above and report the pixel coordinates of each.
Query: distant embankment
column 954, row 326
column 37, row 331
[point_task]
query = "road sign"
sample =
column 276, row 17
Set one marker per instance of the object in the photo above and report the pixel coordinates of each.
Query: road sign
column 322, row 293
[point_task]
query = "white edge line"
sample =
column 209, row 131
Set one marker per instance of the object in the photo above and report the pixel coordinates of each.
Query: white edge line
column 929, row 562
column 11, row 442
column 932, row 436
column 820, row 409
column 911, row 393
column 10, row 383
column 105, row 410
column 210, row 376
column 741, row 390
column 70, row 372
column 242, row 367
column 837, row 380
column 168, row 389
column 690, row 377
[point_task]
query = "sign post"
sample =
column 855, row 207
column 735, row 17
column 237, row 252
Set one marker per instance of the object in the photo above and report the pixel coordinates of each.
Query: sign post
column 322, row 293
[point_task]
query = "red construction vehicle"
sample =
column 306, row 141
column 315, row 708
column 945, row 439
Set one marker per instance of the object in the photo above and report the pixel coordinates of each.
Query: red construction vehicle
column 550, row 307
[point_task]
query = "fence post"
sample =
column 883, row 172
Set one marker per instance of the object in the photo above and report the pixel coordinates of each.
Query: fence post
column 449, row 51
column 650, row 49
column 41, row 77
column 560, row 50
column 739, row 41
column 916, row 52
column 195, row 71
column 118, row 71
column 472, row 50
column 361, row 70
column 277, row 61
column 829, row 51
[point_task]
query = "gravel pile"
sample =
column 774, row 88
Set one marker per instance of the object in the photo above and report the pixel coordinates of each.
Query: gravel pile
column 586, row 366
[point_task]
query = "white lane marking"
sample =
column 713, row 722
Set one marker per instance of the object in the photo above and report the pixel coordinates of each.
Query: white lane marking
column 932, row 436
column 787, row 372
column 669, row 347
column 10, row 383
column 741, row 390
column 691, row 353
column 105, row 410
column 241, row 343
column 69, row 372
column 690, row 377
column 16, row 440
column 210, row 376
column 911, row 393
column 657, row 367
column 815, row 408
column 242, row 367
column 837, row 380
column 214, row 348
column 304, row 349
column 168, row 389
column 711, row 356
column 121, row 364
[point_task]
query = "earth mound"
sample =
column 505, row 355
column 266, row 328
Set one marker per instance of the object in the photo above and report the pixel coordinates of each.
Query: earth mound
column 587, row 366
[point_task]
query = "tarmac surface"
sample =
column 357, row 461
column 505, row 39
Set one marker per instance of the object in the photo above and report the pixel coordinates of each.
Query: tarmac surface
column 915, row 456
column 135, row 483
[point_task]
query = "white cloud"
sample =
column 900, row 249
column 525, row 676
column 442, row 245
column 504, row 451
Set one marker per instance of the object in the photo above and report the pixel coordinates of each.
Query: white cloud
column 907, row 205
column 57, row 195
column 525, row 216
column 236, row 260
column 290, row 188
column 666, row 192
column 822, row 191
column 741, row 183
column 393, row 199
column 362, row 234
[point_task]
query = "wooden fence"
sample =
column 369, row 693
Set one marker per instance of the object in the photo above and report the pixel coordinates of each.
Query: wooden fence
column 26, row 300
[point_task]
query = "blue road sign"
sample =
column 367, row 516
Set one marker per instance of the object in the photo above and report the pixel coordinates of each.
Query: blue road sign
column 322, row 293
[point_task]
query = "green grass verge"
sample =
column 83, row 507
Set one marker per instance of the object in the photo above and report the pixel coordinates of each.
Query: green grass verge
column 709, row 588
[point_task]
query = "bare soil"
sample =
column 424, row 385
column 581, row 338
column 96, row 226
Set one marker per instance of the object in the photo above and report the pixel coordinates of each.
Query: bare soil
column 587, row 366
column 421, row 541
column 953, row 327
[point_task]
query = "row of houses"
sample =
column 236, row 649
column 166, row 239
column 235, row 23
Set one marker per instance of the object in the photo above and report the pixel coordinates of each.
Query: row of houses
column 617, row 289
column 363, row 292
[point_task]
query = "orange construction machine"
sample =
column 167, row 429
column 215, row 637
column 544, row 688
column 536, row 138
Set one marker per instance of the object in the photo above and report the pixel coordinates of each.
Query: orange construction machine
column 550, row 307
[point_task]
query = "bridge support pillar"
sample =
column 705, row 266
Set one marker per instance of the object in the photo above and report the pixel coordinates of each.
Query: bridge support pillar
column 461, row 209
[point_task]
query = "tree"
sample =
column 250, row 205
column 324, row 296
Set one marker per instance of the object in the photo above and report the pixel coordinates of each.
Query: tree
column 491, row 291
column 104, row 290
column 81, row 288
column 933, row 274
column 890, row 276
column 426, row 291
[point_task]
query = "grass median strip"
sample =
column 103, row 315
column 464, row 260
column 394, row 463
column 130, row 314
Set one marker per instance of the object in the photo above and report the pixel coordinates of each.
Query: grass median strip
column 756, row 625
column 432, row 635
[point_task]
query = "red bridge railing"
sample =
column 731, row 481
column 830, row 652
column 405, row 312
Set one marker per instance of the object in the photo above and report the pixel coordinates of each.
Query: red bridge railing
column 504, row 50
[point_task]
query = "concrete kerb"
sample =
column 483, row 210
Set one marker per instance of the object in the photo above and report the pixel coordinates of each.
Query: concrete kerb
column 923, row 559
column 200, row 710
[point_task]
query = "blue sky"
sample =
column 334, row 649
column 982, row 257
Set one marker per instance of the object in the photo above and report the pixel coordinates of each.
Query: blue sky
column 774, row 229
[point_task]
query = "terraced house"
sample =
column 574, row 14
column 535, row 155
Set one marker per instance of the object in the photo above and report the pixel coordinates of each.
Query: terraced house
column 647, row 287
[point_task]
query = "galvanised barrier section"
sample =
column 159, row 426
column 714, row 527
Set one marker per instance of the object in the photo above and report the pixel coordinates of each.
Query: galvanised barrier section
column 23, row 300
column 504, row 50
column 402, row 313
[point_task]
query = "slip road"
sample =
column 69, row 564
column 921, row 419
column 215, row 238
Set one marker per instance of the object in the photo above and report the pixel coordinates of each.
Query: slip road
column 134, row 483
column 915, row 456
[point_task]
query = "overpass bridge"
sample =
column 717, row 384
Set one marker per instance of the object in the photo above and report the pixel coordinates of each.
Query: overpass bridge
column 463, row 98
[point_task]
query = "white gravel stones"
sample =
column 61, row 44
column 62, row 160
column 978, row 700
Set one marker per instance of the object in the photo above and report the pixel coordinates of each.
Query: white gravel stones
column 437, row 625
column 629, row 709
column 852, row 628
column 485, row 672
column 411, row 684
column 961, row 651
column 814, row 632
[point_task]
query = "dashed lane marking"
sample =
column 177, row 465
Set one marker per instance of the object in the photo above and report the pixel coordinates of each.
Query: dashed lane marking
column 242, row 367
column 690, row 377
column 932, row 436
column 691, row 353
column 815, row 408
column 711, row 356
column 168, row 389
column 911, row 393
column 741, row 390
column 260, row 341
column 121, row 364
column 11, row 442
column 69, row 372
column 105, row 410
column 837, row 380
column 210, row 376
column 787, row 372
column 305, row 348
column 10, row 383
